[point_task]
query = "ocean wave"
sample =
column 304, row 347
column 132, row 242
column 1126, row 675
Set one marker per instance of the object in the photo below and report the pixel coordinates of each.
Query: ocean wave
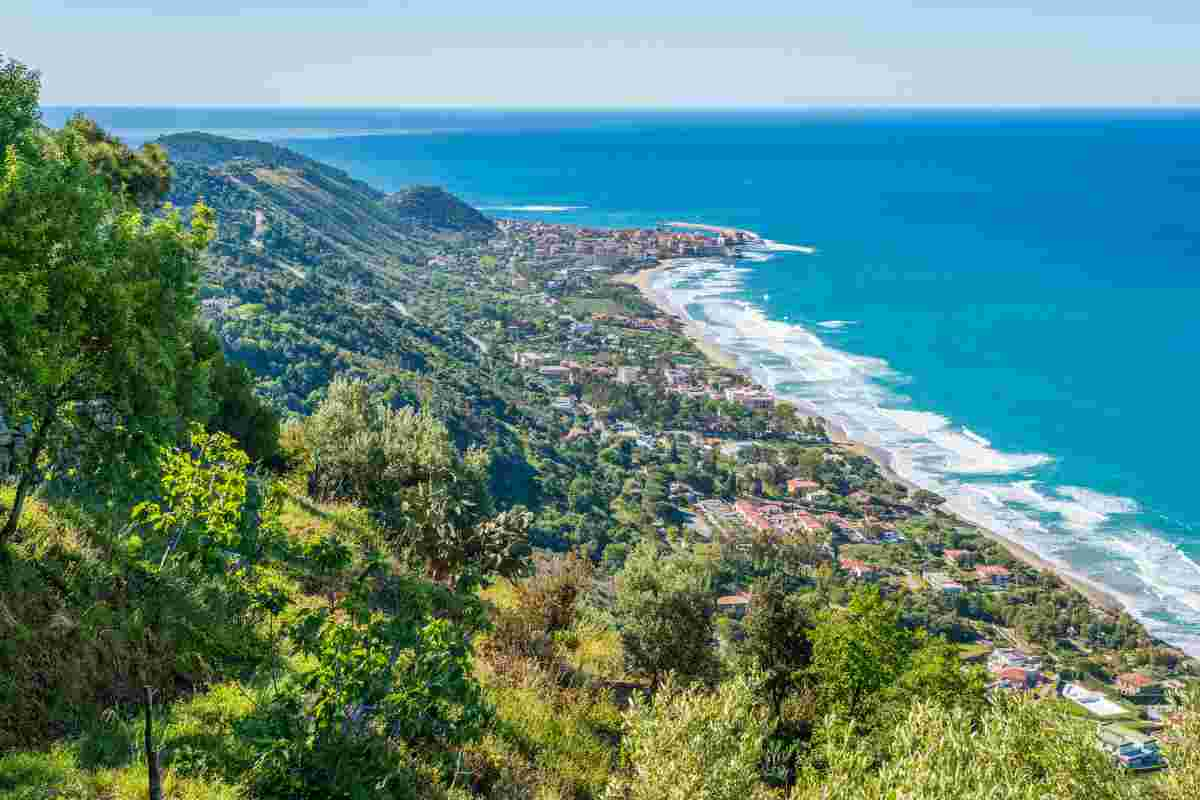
column 836, row 324
column 1102, row 539
column 543, row 209
column 780, row 247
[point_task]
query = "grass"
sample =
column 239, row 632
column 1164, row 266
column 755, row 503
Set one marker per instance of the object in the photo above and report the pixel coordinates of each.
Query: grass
column 106, row 762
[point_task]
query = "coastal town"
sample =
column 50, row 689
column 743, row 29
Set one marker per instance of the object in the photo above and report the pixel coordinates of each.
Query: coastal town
column 586, row 342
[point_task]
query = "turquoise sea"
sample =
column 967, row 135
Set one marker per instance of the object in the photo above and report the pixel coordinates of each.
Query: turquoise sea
column 1005, row 302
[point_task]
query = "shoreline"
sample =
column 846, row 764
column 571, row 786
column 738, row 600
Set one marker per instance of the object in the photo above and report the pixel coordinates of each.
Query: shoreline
column 643, row 280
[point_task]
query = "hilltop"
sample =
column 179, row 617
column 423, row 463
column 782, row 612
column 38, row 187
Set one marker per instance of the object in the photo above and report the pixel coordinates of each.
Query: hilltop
column 437, row 209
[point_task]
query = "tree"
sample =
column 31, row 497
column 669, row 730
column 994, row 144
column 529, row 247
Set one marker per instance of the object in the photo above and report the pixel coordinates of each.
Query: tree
column 239, row 411
column 858, row 652
column 100, row 347
column 777, row 640
column 20, row 90
column 433, row 501
column 664, row 608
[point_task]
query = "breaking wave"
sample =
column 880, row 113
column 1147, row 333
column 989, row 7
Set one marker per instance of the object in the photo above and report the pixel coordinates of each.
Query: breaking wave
column 540, row 209
column 1105, row 540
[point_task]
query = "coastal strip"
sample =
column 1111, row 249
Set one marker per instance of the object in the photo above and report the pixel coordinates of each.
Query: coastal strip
column 705, row 343
column 742, row 236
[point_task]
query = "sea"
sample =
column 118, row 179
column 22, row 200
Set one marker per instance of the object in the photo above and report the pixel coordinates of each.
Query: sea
column 1004, row 302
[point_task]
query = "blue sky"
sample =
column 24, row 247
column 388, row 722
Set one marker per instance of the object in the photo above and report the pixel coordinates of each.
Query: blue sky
column 588, row 53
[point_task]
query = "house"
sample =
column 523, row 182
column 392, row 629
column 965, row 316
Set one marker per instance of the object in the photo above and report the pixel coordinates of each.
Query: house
column 566, row 404
column 1019, row 678
column 689, row 494
column 959, row 558
column 1003, row 658
column 1132, row 749
column 1137, row 684
column 528, row 360
column 556, row 373
column 801, row 486
column 582, row 328
column 628, row 375
column 993, row 575
column 943, row 583
column 752, row 516
column 859, row 569
column 734, row 604
column 751, row 399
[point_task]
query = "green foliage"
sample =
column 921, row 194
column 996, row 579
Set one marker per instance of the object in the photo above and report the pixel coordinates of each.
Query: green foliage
column 239, row 411
column 380, row 684
column 401, row 464
column 1019, row 749
column 104, row 331
column 687, row 744
column 777, row 643
column 664, row 609
column 20, row 88
column 858, row 652
column 142, row 176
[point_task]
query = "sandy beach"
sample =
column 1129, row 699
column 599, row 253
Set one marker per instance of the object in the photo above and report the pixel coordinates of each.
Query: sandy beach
column 695, row 331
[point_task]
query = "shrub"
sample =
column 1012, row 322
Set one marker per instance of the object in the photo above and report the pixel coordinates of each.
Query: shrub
column 693, row 745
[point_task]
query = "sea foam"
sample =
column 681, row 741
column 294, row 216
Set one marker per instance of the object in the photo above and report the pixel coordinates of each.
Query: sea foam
column 539, row 209
column 1102, row 539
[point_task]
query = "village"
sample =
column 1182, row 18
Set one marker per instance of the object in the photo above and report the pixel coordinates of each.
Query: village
column 590, row 338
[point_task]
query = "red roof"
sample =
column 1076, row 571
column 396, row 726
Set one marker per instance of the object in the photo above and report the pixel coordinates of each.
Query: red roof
column 992, row 570
column 1015, row 675
column 855, row 565
column 1136, row 679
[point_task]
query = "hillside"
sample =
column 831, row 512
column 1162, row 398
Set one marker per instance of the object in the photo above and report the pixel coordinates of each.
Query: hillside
column 437, row 209
column 311, row 269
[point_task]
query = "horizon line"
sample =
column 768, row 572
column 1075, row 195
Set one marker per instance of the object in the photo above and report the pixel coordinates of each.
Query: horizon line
column 796, row 107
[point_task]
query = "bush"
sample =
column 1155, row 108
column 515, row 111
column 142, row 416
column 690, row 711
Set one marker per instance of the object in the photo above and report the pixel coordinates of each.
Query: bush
column 693, row 745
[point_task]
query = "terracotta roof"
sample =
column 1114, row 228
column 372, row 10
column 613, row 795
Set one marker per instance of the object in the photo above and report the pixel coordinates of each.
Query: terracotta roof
column 1136, row 679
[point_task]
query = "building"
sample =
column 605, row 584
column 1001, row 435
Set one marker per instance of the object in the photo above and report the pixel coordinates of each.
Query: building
column 628, row 375
column 566, row 404
column 801, row 486
column 1019, row 678
column 558, row 374
column 993, row 575
column 959, row 558
column 859, row 569
column 943, row 583
column 1004, row 658
column 752, row 515
column 529, row 359
column 734, row 604
column 1137, row 684
column 1132, row 749
column 751, row 399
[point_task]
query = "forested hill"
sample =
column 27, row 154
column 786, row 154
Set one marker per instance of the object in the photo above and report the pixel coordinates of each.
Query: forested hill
column 436, row 208
column 311, row 272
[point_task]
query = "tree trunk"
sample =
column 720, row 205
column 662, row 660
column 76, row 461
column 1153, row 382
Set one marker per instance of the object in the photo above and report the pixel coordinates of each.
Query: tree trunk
column 26, row 482
column 155, row 780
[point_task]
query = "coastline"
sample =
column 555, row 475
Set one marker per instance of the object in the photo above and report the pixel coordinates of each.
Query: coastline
column 695, row 331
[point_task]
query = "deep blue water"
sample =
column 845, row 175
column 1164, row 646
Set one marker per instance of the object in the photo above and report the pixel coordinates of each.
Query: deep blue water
column 1021, row 287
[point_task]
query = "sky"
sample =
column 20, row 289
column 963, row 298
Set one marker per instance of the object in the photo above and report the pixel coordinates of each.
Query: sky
column 609, row 53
